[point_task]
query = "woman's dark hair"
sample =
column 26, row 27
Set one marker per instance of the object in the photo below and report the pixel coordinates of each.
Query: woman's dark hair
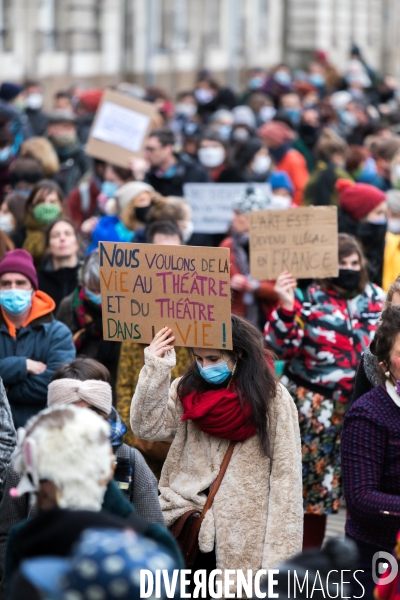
column 26, row 169
column 62, row 220
column 123, row 173
column 253, row 376
column 83, row 369
column 348, row 244
column 16, row 203
column 44, row 188
column 169, row 228
column 385, row 337
column 213, row 136
column 243, row 153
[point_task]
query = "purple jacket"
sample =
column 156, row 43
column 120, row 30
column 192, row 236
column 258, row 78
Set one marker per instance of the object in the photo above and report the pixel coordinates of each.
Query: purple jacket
column 370, row 448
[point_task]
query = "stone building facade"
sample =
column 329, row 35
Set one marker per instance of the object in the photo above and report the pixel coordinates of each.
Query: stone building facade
column 165, row 42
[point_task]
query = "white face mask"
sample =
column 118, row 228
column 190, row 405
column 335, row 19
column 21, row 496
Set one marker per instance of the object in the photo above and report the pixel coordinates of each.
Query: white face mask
column 397, row 171
column 280, row 202
column 261, row 164
column 240, row 134
column 188, row 231
column 186, row 110
column 211, row 157
column 393, row 225
column 6, row 223
column 34, row 101
column 203, row 96
column 267, row 113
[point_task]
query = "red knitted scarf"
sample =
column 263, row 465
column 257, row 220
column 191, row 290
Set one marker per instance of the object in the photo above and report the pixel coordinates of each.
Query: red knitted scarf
column 219, row 413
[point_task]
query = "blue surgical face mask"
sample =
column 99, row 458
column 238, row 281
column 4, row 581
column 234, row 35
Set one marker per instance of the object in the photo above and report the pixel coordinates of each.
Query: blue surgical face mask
column 317, row 79
column 225, row 131
column 15, row 302
column 256, row 82
column 109, row 188
column 23, row 192
column 294, row 114
column 283, row 77
column 215, row 373
column 95, row 298
column 5, row 153
column 379, row 221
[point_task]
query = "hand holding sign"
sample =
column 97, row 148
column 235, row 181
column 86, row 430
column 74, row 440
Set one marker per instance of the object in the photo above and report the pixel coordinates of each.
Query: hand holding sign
column 160, row 344
column 284, row 287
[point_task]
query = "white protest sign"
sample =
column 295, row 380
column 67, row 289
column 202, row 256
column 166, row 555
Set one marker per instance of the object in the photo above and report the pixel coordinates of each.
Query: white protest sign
column 120, row 126
column 212, row 203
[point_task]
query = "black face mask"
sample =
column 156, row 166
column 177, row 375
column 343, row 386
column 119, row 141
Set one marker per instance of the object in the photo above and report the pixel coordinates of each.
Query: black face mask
column 279, row 152
column 348, row 279
column 309, row 134
column 371, row 233
column 141, row 213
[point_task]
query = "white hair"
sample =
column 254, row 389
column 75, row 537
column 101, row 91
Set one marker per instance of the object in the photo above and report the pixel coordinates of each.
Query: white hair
column 69, row 446
column 91, row 270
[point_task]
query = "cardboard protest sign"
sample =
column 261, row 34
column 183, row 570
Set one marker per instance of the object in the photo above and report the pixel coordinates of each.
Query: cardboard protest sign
column 120, row 127
column 212, row 203
column 303, row 241
column 145, row 287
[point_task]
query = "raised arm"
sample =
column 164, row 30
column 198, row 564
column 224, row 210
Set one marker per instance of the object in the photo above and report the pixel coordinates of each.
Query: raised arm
column 155, row 409
column 283, row 330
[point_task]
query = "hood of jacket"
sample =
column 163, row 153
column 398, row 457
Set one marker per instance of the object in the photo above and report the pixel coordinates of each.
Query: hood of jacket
column 42, row 306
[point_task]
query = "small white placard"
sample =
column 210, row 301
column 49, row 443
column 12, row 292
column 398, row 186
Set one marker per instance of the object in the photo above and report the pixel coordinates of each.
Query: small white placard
column 212, row 203
column 121, row 126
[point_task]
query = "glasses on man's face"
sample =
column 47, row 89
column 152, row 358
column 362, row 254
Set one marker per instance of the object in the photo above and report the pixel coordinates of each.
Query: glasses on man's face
column 151, row 149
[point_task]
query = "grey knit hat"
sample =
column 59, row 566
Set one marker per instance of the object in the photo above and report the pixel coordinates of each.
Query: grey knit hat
column 252, row 198
column 393, row 201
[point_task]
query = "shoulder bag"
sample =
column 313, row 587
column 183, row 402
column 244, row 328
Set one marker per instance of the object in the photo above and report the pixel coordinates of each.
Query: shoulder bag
column 186, row 529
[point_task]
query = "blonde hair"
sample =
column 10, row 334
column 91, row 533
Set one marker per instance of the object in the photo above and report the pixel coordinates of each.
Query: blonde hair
column 128, row 213
column 41, row 149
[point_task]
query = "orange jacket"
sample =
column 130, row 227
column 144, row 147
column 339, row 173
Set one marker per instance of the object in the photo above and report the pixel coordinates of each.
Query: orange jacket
column 42, row 305
column 294, row 164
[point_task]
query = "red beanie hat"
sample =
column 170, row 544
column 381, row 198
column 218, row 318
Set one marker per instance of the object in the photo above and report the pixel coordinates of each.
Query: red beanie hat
column 276, row 133
column 358, row 199
column 19, row 261
column 91, row 99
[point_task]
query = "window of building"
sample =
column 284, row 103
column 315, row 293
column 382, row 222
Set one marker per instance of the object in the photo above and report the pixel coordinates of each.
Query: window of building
column 213, row 20
column 53, row 23
column 84, row 33
column 173, row 19
column 262, row 16
column 6, row 22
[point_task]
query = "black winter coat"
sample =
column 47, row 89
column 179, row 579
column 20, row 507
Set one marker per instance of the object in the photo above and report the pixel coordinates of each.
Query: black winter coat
column 38, row 120
column 188, row 170
column 60, row 283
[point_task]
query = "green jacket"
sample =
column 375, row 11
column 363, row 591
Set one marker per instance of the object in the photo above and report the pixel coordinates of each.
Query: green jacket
column 320, row 189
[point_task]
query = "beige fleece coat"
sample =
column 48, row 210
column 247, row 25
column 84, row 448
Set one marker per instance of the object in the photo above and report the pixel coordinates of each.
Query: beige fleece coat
column 256, row 519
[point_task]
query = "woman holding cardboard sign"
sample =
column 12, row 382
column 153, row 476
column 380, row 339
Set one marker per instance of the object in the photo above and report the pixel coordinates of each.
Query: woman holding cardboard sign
column 225, row 399
column 321, row 333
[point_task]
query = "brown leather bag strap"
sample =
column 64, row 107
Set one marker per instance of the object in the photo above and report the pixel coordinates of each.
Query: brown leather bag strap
column 215, row 486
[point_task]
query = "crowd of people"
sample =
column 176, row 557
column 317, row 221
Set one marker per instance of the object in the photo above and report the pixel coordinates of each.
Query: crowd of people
column 120, row 442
